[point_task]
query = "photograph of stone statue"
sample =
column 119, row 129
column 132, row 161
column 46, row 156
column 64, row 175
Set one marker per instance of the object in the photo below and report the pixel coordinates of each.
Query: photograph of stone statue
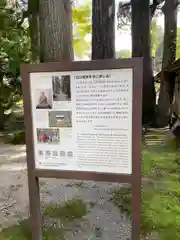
column 43, row 99
column 61, row 88
column 60, row 119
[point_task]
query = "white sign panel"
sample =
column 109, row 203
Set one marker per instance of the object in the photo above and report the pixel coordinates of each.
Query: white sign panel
column 82, row 120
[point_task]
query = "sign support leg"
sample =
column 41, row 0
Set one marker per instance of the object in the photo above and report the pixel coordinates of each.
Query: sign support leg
column 34, row 203
column 136, row 208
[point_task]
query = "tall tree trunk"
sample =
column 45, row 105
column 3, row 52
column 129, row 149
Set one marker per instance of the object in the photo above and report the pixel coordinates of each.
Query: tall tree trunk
column 141, row 47
column 169, row 56
column 103, row 29
column 55, row 22
column 55, row 25
column 33, row 18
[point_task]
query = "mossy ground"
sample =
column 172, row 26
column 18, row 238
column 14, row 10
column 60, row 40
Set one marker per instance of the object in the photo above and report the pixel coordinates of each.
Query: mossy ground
column 71, row 210
column 160, row 200
column 160, row 205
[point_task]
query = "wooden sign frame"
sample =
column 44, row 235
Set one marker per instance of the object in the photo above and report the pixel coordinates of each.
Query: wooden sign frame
column 34, row 174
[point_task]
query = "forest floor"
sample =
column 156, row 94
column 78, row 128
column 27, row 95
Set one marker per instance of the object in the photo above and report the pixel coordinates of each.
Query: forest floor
column 160, row 193
column 81, row 210
column 84, row 208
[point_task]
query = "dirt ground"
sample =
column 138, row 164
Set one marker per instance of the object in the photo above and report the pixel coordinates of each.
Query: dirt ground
column 14, row 197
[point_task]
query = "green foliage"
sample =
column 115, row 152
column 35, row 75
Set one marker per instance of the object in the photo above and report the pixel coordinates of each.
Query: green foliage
column 9, row 95
column 82, row 27
column 14, row 42
column 160, row 210
column 156, row 41
column 154, row 36
column 53, row 233
column 21, row 231
column 17, row 138
column 14, row 123
column 178, row 44
column 14, row 49
column 73, row 209
column 17, row 232
column 124, row 53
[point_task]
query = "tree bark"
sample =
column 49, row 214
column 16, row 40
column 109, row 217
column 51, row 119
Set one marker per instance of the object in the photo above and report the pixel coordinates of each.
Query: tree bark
column 141, row 47
column 33, row 18
column 55, row 25
column 55, row 22
column 169, row 56
column 103, row 29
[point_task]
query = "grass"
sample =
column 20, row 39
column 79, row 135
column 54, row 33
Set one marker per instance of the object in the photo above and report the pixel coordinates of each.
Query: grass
column 160, row 211
column 72, row 209
column 21, row 232
column 16, row 232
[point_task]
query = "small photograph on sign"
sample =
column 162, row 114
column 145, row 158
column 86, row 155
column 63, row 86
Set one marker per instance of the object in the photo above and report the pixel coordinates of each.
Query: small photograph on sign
column 48, row 135
column 43, row 99
column 60, row 119
column 61, row 88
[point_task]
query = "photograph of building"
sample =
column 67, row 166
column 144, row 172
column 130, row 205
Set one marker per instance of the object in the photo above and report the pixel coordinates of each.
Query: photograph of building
column 61, row 88
column 60, row 119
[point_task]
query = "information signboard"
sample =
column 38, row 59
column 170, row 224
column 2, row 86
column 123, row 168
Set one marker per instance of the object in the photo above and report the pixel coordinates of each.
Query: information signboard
column 83, row 121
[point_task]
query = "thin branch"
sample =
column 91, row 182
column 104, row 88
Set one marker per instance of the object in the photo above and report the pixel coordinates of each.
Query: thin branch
column 126, row 6
column 154, row 6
